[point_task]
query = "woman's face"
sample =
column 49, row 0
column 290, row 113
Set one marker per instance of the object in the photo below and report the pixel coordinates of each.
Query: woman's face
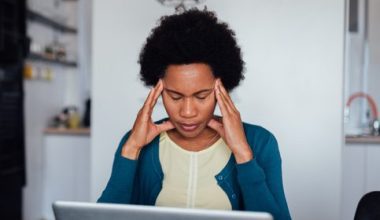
column 189, row 98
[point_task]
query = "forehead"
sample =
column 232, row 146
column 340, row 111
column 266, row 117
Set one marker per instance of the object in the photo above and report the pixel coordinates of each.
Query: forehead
column 189, row 77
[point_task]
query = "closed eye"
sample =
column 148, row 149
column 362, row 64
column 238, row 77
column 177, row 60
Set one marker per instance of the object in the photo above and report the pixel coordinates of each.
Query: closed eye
column 176, row 98
column 201, row 97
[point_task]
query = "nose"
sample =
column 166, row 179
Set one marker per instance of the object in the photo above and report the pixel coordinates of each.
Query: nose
column 188, row 109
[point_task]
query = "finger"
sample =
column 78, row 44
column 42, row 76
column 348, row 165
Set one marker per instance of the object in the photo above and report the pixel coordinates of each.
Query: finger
column 217, row 126
column 148, row 106
column 158, row 91
column 226, row 103
column 144, row 111
column 226, row 95
column 148, row 97
column 165, row 126
column 223, row 104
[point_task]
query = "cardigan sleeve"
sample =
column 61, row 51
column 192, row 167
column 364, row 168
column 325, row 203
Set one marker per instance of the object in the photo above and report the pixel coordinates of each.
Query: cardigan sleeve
column 119, row 188
column 261, row 182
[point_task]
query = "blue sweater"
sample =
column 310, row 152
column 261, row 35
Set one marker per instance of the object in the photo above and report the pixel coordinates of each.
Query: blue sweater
column 254, row 186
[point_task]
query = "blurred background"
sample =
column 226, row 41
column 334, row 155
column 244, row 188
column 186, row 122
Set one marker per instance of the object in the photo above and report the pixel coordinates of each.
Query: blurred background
column 69, row 90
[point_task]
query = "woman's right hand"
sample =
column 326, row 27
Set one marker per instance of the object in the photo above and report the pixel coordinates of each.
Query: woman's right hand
column 144, row 129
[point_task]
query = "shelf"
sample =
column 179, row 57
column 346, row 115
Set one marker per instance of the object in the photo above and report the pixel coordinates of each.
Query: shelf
column 32, row 15
column 39, row 57
column 362, row 139
column 67, row 131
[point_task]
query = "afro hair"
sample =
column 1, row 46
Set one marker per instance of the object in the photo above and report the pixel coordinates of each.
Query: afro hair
column 194, row 36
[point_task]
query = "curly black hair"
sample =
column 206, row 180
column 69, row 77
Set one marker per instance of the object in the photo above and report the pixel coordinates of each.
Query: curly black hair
column 194, row 36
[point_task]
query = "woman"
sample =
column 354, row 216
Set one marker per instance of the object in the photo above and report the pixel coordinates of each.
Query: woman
column 193, row 158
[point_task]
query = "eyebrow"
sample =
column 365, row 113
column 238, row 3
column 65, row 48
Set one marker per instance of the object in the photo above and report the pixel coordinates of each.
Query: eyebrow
column 195, row 93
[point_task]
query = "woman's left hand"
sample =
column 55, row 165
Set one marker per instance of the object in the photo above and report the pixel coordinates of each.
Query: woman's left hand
column 230, row 127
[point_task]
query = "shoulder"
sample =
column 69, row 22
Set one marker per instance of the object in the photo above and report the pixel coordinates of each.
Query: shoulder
column 257, row 133
column 262, row 141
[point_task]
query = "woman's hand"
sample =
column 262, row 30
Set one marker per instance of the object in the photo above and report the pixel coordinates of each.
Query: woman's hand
column 144, row 130
column 230, row 127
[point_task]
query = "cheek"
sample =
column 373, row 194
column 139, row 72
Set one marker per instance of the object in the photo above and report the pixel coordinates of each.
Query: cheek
column 209, row 106
column 170, row 107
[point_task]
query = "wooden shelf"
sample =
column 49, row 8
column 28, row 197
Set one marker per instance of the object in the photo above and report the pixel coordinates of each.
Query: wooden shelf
column 362, row 139
column 39, row 57
column 67, row 131
column 35, row 16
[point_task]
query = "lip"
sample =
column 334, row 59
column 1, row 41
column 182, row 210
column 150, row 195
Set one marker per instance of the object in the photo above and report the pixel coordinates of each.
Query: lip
column 188, row 127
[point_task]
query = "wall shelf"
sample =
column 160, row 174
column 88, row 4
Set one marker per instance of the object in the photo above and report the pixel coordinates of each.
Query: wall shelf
column 36, row 16
column 39, row 57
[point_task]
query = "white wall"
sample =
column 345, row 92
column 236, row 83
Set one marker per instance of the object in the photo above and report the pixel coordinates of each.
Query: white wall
column 294, row 55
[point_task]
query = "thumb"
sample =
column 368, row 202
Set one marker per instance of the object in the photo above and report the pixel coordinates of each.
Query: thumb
column 217, row 126
column 165, row 126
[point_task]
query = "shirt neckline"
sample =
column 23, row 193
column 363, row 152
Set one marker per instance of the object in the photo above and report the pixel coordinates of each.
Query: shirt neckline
column 204, row 151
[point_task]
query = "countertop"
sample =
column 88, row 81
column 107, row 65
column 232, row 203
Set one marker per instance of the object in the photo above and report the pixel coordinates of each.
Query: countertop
column 362, row 139
column 66, row 131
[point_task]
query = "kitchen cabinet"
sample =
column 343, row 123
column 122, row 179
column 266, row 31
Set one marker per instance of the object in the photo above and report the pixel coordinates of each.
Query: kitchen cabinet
column 66, row 167
column 360, row 174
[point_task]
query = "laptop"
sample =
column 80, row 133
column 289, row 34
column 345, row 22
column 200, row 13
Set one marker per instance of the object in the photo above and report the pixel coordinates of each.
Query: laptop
column 66, row 210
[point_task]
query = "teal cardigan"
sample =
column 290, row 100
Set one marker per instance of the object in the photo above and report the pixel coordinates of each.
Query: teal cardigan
column 254, row 186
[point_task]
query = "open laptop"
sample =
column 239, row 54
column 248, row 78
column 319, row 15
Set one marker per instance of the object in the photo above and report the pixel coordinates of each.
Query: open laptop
column 65, row 210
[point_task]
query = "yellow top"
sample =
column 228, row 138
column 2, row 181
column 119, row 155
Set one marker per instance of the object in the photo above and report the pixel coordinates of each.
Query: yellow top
column 189, row 177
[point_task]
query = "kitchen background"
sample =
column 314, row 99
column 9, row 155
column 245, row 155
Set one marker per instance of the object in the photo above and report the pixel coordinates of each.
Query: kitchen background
column 52, row 157
column 304, row 60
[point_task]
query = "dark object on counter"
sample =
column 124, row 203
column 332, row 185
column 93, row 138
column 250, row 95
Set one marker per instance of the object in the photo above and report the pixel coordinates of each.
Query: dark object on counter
column 375, row 127
column 87, row 114
column 368, row 207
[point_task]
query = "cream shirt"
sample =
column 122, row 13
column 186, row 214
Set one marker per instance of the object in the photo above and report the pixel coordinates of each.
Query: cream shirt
column 189, row 177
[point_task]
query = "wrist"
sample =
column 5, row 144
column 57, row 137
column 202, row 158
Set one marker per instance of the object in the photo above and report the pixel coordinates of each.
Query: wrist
column 243, row 155
column 130, row 151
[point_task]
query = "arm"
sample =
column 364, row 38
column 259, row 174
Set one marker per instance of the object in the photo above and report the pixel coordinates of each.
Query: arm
column 120, row 185
column 261, row 184
column 259, row 176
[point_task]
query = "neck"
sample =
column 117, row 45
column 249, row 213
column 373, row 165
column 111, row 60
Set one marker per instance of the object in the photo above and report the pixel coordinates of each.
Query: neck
column 204, row 140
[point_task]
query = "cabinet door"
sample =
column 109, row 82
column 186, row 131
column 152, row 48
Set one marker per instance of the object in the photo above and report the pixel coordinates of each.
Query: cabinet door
column 353, row 177
column 65, row 170
column 373, row 168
